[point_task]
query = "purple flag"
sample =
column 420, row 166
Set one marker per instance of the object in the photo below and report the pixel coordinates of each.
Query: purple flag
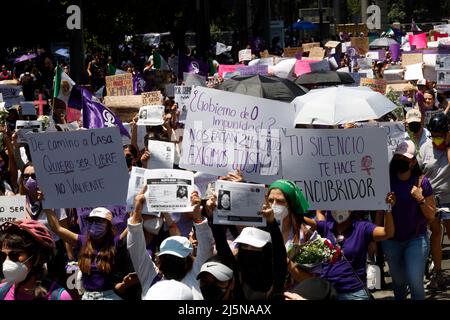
column 95, row 114
column 139, row 84
column 192, row 65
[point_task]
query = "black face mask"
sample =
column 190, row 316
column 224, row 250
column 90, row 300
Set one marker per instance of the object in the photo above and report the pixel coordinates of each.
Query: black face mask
column 256, row 269
column 414, row 127
column 211, row 292
column 400, row 166
column 129, row 161
column 172, row 267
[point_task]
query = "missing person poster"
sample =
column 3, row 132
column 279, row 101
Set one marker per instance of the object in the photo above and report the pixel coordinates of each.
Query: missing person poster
column 239, row 203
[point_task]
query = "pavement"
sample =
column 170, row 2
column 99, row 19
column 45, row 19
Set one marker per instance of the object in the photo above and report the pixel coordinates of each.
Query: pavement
column 443, row 294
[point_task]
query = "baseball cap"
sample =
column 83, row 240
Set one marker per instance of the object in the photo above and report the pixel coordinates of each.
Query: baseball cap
column 220, row 271
column 101, row 212
column 421, row 82
column 254, row 237
column 169, row 290
column 406, row 148
column 413, row 115
column 176, row 245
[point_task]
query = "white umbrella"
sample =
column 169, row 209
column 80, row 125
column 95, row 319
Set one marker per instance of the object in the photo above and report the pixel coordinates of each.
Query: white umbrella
column 339, row 105
column 382, row 42
column 283, row 69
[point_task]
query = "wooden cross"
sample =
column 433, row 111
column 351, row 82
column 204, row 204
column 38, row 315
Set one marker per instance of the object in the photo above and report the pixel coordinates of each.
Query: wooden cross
column 40, row 103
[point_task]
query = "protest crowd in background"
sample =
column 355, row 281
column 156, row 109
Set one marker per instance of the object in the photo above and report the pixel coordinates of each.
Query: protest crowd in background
column 166, row 177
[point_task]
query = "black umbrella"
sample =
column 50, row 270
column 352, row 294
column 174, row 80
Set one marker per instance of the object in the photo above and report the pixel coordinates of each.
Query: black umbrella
column 327, row 78
column 269, row 87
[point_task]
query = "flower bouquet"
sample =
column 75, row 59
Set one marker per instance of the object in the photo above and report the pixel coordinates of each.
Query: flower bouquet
column 310, row 255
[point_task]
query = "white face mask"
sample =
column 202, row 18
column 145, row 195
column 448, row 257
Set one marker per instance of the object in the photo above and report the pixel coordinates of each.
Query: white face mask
column 153, row 225
column 340, row 216
column 15, row 272
column 280, row 212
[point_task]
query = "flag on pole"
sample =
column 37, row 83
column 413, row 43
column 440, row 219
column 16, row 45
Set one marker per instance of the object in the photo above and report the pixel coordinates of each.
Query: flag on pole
column 414, row 27
column 95, row 114
column 62, row 85
column 191, row 65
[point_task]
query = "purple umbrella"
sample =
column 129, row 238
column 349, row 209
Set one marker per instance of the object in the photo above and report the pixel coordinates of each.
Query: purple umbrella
column 25, row 57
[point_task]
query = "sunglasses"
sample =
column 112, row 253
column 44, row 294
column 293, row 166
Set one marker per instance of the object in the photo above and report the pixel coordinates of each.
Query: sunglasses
column 26, row 176
column 13, row 255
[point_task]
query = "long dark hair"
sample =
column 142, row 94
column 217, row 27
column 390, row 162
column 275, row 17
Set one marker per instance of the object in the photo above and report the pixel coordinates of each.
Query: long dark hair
column 21, row 240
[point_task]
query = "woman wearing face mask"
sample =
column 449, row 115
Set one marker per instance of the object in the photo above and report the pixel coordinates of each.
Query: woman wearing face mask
column 174, row 259
column 29, row 187
column 348, row 275
column 217, row 279
column 415, row 130
column 26, row 245
column 407, row 251
column 435, row 163
column 97, row 258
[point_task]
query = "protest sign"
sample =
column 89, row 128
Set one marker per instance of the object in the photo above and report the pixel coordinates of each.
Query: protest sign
column 308, row 46
column 27, row 108
column 332, row 44
column 227, row 68
column 442, row 28
column 162, row 154
column 316, row 53
column 182, row 94
column 227, row 131
column 411, row 58
column 376, row 54
column 338, row 169
column 126, row 140
column 80, row 168
column 414, row 72
column 239, row 203
column 418, row 40
column 296, row 52
column 317, row 66
column 151, row 98
column 443, row 79
column 442, row 61
column 169, row 190
column 364, row 63
column 151, row 115
column 135, row 185
column 119, row 85
column 245, row 55
column 302, row 66
column 395, row 133
column 252, row 70
column 361, row 44
column 378, row 85
column 12, row 208
column 119, row 214
column 23, row 127
column 11, row 94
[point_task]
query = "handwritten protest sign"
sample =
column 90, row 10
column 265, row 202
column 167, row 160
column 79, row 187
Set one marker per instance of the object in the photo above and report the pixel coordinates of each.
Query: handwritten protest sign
column 239, row 203
column 302, row 66
column 322, row 65
column 252, row 70
column 24, row 126
column 227, row 131
column 151, row 115
column 338, row 169
column 316, row 53
column 361, row 44
column 395, row 133
column 245, row 55
column 80, row 168
column 411, row 58
column 11, row 94
column 149, row 98
column 119, row 85
column 378, row 85
column 292, row 52
column 12, row 208
column 169, row 190
column 182, row 94
column 308, row 46
column 119, row 220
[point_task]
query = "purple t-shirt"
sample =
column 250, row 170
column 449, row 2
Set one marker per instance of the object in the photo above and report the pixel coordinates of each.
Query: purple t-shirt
column 97, row 280
column 354, row 246
column 409, row 221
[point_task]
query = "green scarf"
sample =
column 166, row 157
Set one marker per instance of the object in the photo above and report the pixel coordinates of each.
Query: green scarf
column 294, row 196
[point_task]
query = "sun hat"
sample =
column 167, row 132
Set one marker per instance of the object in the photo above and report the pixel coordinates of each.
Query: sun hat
column 176, row 245
column 220, row 271
column 254, row 237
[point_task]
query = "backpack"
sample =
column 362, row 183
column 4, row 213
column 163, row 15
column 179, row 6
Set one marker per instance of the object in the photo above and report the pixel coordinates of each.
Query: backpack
column 5, row 287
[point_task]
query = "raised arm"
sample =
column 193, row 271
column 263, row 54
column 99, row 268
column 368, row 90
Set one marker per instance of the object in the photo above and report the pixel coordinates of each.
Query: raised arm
column 64, row 233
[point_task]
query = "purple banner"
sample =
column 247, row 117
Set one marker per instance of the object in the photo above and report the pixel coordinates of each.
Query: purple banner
column 253, row 70
column 394, row 49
